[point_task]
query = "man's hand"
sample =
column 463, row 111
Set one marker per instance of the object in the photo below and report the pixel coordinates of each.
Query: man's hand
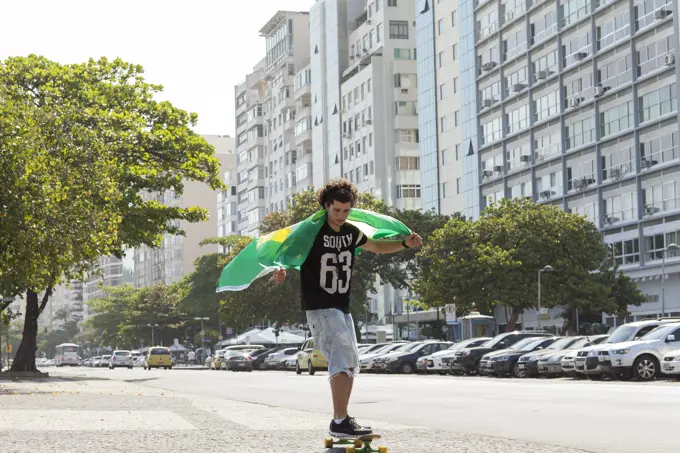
column 280, row 275
column 414, row 240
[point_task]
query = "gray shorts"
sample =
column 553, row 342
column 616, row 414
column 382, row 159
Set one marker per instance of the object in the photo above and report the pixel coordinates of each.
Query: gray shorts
column 334, row 335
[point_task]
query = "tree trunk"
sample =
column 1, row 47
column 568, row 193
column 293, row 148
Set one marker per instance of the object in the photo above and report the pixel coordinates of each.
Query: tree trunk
column 514, row 316
column 24, row 360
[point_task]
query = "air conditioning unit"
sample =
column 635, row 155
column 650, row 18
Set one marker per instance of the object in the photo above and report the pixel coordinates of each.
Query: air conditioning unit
column 404, row 91
column 509, row 16
column 578, row 56
column 525, row 159
column 542, row 75
column 369, row 121
column 347, row 134
column 669, row 60
column 498, row 168
column 645, row 163
column 661, row 14
column 579, row 183
column 611, row 219
column 597, row 91
column 649, row 209
column 351, row 57
column 487, row 102
column 368, row 21
column 588, row 181
column 546, row 193
column 539, row 156
column 615, row 173
column 516, row 88
column 487, row 173
column 488, row 66
column 365, row 50
column 358, row 53
column 575, row 101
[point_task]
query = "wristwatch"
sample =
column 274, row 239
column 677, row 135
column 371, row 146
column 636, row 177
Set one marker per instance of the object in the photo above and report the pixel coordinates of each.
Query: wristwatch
column 404, row 244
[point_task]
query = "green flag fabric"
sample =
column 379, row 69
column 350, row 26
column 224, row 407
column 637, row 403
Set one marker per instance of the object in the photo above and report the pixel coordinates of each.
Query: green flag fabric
column 290, row 246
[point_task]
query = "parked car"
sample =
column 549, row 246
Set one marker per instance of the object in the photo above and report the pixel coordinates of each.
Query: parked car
column 405, row 361
column 104, row 362
column 671, row 364
column 562, row 361
column 240, row 362
column 310, row 358
column 506, row 361
column 120, row 358
column 641, row 359
column 367, row 360
column 225, row 361
column 529, row 362
column 587, row 360
column 467, row 360
column 438, row 362
column 273, row 361
column 259, row 360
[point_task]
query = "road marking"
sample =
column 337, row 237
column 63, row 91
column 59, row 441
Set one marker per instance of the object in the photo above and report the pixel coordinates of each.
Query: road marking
column 75, row 420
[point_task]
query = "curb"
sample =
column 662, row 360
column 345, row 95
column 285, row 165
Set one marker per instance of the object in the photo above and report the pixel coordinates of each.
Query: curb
column 9, row 375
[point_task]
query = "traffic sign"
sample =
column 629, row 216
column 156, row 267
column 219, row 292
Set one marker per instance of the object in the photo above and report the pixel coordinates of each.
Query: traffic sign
column 176, row 341
column 203, row 333
column 229, row 330
column 221, row 338
column 9, row 348
column 450, row 310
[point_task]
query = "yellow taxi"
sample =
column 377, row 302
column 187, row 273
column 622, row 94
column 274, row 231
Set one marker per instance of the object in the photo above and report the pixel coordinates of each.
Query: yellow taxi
column 158, row 357
column 309, row 358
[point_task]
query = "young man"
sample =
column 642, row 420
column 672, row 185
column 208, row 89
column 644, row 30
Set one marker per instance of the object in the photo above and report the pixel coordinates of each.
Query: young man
column 325, row 279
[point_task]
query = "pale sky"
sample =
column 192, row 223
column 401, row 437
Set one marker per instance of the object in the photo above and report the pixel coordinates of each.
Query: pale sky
column 198, row 50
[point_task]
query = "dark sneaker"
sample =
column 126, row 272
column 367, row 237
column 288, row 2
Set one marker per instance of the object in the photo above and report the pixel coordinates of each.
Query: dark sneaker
column 354, row 420
column 348, row 428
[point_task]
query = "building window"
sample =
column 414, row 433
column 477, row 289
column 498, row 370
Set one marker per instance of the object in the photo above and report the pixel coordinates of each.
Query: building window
column 616, row 119
column 655, row 245
column 454, row 13
column 455, row 84
column 518, row 119
column 445, row 189
column 492, row 131
column 661, row 197
column 580, row 132
column 408, row 191
column 445, row 153
column 440, row 26
column 408, row 163
column 619, row 208
column 458, row 151
column 398, row 29
column 402, row 54
column 455, row 52
column 657, row 103
column 459, row 185
column 392, row 3
column 547, row 106
column 614, row 30
column 626, row 252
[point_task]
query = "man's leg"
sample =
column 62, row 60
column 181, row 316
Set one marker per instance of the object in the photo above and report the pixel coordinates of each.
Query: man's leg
column 341, row 388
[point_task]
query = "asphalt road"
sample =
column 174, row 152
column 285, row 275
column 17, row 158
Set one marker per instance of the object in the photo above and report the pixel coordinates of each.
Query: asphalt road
column 446, row 413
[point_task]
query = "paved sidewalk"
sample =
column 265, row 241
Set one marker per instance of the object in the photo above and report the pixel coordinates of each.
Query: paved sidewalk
column 92, row 415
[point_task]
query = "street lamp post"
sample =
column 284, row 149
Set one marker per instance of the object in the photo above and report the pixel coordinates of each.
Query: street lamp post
column 202, row 334
column 540, row 271
column 152, row 327
column 364, row 338
column 663, row 277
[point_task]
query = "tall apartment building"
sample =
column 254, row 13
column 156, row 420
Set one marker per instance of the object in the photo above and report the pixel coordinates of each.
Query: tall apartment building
column 176, row 255
column 270, row 136
column 440, row 107
column 575, row 104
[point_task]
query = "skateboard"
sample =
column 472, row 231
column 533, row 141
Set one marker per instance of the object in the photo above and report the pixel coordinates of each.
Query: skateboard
column 359, row 444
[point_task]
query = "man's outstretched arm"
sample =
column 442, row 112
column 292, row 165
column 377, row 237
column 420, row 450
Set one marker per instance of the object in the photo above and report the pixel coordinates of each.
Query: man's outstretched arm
column 388, row 246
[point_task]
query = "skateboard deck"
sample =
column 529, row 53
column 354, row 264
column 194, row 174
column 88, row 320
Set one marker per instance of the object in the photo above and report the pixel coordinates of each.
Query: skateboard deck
column 359, row 444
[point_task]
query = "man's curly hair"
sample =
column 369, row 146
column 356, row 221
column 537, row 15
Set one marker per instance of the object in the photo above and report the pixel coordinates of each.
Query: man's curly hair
column 338, row 189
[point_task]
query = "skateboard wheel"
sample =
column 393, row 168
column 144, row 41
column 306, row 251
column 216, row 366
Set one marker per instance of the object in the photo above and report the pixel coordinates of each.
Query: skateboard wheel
column 382, row 449
column 351, row 450
column 358, row 443
column 328, row 443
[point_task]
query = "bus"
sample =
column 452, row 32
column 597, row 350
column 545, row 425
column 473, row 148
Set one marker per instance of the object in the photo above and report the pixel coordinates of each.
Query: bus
column 67, row 354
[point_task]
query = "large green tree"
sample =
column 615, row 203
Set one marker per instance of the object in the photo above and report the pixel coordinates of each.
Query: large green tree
column 496, row 259
column 85, row 148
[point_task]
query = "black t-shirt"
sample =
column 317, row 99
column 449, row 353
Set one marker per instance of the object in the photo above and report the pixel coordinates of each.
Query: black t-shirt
column 326, row 274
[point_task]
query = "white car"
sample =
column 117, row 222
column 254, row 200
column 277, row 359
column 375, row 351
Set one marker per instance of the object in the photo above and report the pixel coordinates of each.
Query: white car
column 671, row 363
column 120, row 358
column 641, row 358
column 435, row 362
column 568, row 361
column 587, row 359
column 104, row 362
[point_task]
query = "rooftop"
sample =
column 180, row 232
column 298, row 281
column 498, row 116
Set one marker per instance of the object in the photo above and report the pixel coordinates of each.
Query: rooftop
column 279, row 17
